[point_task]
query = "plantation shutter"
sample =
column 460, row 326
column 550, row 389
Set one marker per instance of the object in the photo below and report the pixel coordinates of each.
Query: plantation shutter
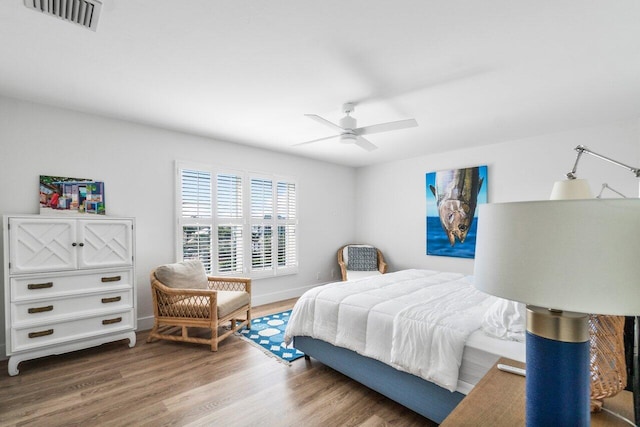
column 196, row 194
column 229, row 196
column 196, row 244
column 261, row 247
column 235, row 223
column 261, row 198
column 261, row 224
column 287, row 220
column 230, row 223
column 196, row 215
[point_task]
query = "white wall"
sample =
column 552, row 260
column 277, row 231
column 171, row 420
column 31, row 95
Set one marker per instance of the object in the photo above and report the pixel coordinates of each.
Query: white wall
column 137, row 164
column 391, row 202
column 384, row 205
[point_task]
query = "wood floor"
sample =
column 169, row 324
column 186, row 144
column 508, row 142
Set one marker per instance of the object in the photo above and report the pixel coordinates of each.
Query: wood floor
column 177, row 384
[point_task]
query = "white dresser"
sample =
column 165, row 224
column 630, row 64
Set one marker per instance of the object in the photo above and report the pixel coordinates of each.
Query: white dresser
column 69, row 283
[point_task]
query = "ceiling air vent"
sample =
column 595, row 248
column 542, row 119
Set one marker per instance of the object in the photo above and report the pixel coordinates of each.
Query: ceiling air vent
column 81, row 12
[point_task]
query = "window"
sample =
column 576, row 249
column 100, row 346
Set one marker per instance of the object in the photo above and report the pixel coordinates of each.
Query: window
column 195, row 219
column 237, row 223
column 230, row 223
column 286, row 222
column 261, row 224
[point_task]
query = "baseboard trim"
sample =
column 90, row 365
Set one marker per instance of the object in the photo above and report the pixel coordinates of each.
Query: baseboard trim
column 281, row 295
column 145, row 323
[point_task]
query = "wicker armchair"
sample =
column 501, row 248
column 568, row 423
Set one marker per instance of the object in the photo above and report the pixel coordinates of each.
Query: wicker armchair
column 380, row 266
column 176, row 309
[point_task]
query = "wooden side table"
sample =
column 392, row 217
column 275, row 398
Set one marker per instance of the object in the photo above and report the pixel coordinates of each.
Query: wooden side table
column 498, row 400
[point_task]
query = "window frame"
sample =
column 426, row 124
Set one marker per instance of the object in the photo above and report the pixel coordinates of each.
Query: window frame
column 228, row 221
column 290, row 222
column 245, row 221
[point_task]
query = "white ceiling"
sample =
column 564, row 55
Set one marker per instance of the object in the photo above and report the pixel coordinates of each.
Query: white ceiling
column 470, row 72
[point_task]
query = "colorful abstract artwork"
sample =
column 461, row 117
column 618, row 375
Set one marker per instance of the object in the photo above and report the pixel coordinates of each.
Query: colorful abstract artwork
column 64, row 195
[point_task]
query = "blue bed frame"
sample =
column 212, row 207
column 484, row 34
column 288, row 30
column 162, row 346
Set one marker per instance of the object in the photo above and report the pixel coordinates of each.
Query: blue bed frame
column 417, row 394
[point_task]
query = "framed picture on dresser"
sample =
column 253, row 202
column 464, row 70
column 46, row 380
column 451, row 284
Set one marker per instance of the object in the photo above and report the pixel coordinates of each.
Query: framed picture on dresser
column 65, row 195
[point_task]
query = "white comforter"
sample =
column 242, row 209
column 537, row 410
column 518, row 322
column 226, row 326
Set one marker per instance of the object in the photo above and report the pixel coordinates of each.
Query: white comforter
column 414, row 320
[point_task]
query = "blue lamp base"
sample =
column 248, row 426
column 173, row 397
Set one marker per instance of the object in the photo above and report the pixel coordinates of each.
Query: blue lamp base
column 558, row 371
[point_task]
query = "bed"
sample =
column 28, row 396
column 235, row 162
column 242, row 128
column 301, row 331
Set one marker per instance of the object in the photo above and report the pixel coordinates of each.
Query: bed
column 422, row 338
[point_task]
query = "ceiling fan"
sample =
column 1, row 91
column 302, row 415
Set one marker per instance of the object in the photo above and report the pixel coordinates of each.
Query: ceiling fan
column 350, row 134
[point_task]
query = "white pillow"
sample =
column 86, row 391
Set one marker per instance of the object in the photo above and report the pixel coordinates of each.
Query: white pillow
column 506, row 320
column 183, row 275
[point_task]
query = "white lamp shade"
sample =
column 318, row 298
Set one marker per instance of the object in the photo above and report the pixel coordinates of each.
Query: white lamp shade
column 574, row 255
column 571, row 189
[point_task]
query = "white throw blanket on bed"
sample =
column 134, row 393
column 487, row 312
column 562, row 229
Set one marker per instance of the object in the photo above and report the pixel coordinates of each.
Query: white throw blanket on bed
column 414, row 320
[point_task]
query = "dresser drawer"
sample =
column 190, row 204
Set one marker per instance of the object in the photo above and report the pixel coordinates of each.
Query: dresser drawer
column 51, row 309
column 44, row 286
column 62, row 332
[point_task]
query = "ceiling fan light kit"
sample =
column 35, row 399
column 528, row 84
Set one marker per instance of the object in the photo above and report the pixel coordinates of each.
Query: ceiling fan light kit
column 347, row 138
column 350, row 134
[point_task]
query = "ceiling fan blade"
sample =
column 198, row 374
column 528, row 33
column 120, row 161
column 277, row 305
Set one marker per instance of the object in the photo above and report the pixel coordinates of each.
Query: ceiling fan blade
column 385, row 127
column 324, row 121
column 315, row 140
column 365, row 143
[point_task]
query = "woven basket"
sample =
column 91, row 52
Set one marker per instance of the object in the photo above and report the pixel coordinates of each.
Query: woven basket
column 608, row 367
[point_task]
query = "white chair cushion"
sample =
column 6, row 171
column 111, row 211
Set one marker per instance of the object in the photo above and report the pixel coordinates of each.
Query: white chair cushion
column 355, row 275
column 230, row 301
column 183, row 275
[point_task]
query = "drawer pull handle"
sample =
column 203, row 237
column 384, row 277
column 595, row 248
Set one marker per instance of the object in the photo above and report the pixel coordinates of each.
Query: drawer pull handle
column 111, row 321
column 111, row 279
column 41, row 333
column 112, row 299
column 40, row 309
column 40, row 285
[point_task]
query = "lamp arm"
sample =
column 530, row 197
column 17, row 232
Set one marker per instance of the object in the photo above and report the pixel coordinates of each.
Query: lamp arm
column 607, row 186
column 572, row 175
column 582, row 149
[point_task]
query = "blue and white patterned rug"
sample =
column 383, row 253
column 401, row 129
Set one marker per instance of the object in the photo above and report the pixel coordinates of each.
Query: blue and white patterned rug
column 268, row 333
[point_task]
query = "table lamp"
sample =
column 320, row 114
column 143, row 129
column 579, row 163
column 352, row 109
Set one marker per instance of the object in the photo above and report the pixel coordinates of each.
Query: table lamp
column 563, row 258
column 607, row 333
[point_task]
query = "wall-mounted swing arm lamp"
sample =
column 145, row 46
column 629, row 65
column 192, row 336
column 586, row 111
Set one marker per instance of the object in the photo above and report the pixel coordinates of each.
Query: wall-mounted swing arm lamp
column 581, row 149
column 575, row 188
column 606, row 331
